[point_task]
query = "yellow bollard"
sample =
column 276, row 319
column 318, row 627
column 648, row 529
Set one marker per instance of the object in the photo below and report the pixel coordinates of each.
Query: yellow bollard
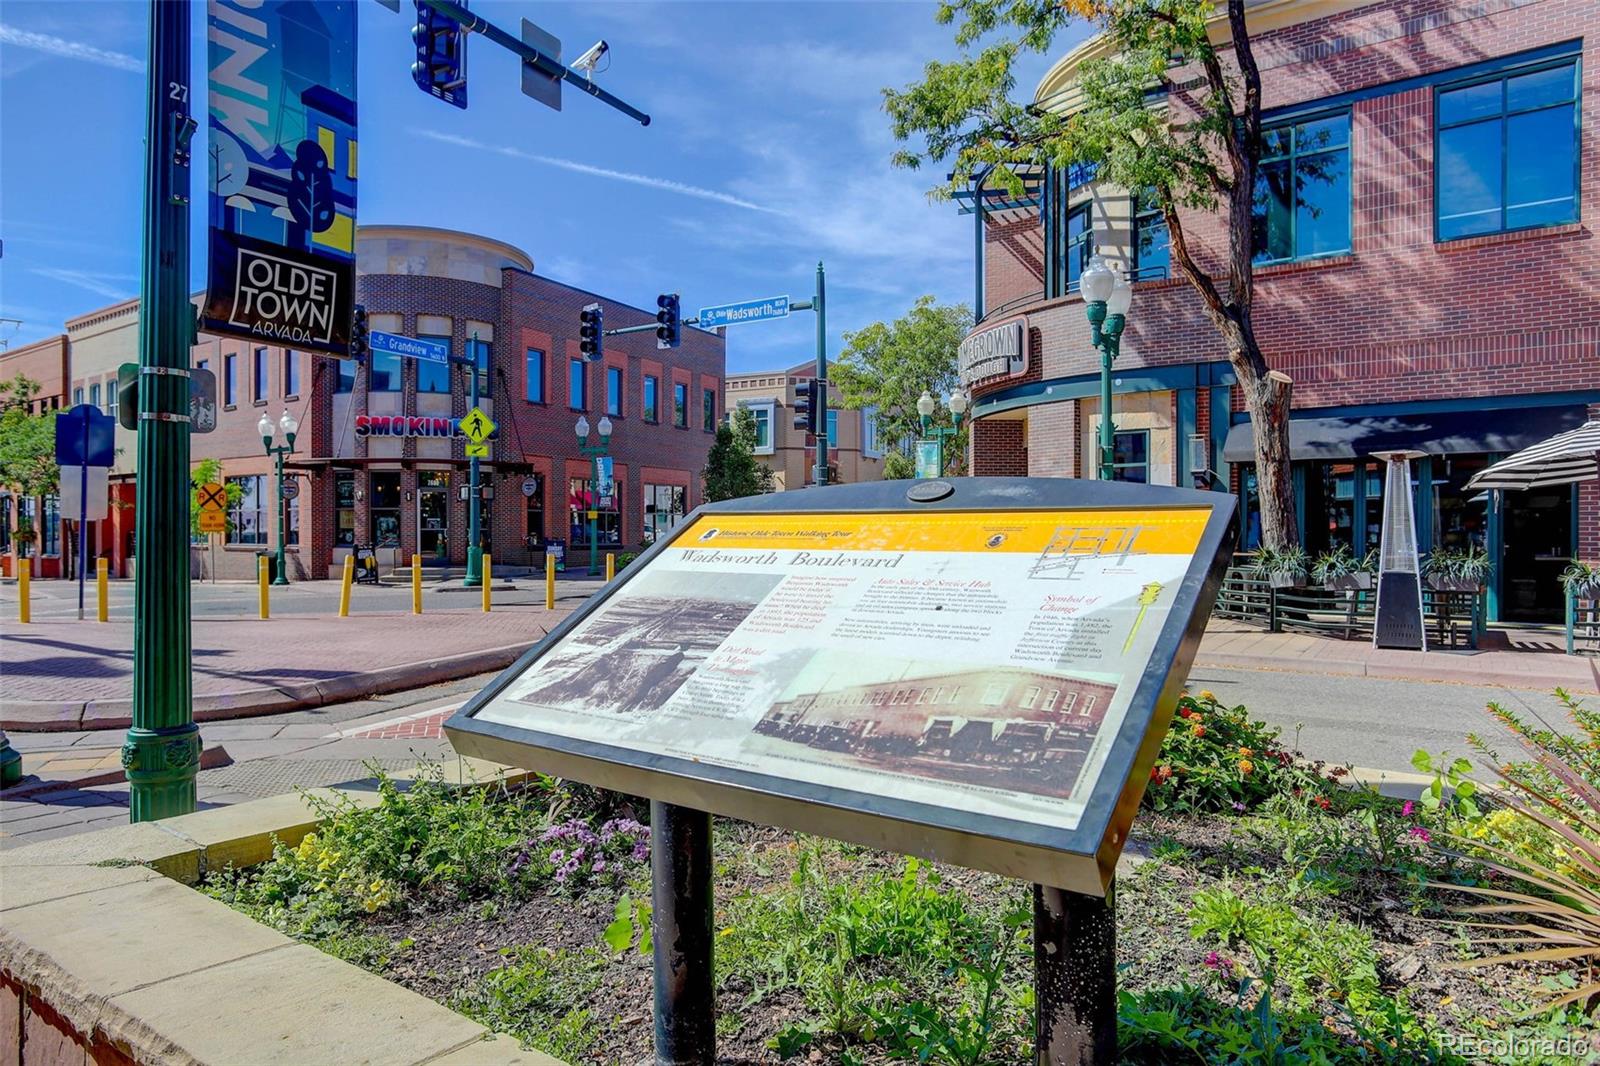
column 344, row 585
column 549, row 582
column 24, row 608
column 488, row 579
column 102, row 573
column 611, row 565
column 261, row 579
column 416, row 584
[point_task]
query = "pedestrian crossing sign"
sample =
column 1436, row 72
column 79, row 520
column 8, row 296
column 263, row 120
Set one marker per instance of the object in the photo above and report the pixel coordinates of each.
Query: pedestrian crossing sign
column 477, row 426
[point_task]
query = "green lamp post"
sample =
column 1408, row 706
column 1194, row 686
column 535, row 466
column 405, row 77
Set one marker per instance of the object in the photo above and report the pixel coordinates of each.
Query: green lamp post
column 290, row 427
column 927, row 405
column 1106, row 297
column 594, row 452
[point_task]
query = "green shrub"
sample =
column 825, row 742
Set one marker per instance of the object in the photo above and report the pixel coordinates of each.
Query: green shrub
column 1215, row 758
column 536, row 996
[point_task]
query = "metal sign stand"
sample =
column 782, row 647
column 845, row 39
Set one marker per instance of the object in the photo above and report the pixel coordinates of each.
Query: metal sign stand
column 681, row 935
column 1397, row 616
column 1074, row 977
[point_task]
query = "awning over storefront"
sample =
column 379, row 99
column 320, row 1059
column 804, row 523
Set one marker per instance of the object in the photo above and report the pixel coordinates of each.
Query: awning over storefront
column 1440, row 433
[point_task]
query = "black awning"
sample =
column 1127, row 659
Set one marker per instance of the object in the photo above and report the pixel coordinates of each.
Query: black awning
column 1445, row 433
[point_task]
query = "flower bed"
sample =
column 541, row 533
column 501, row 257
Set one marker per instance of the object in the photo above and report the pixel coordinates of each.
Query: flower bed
column 1275, row 906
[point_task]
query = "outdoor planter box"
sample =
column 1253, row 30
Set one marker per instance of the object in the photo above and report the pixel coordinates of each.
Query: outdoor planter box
column 1286, row 579
column 1441, row 583
column 1349, row 583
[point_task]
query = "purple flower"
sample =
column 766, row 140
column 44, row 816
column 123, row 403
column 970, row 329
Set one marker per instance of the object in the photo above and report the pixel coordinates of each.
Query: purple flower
column 1420, row 833
column 641, row 851
column 1219, row 963
column 1406, row 808
column 558, row 855
column 599, row 866
column 1238, row 806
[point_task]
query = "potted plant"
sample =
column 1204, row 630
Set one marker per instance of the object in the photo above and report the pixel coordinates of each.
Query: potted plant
column 1282, row 568
column 25, row 536
column 1582, row 580
column 1340, row 571
column 1457, row 569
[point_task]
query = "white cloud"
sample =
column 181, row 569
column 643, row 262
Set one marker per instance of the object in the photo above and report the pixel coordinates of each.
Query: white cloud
column 66, row 49
column 99, row 283
column 666, row 184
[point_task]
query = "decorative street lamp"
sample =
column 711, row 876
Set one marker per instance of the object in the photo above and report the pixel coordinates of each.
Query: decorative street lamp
column 927, row 405
column 290, row 427
column 1107, row 297
column 594, row 452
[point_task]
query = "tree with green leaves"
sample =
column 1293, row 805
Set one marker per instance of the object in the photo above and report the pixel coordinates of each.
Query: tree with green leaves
column 1165, row 111
column 732, row 469
column 27, row 441
column 889, row 365
column 205, row 472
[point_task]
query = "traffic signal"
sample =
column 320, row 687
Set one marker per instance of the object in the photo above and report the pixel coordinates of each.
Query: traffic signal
column 441, row 66
column 591, row 333
column 669, row 328
column 810, row 403
column 358, row 334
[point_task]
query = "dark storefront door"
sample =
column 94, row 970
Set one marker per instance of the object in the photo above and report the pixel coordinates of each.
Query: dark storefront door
column 433, row 517
column 1538, row 545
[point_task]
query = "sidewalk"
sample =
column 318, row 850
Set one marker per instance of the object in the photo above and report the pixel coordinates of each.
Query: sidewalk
column 1232, row 644
column 70, row 675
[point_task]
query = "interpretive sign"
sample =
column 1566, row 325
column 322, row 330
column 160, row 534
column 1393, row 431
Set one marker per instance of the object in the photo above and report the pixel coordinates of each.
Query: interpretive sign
column 975, row 670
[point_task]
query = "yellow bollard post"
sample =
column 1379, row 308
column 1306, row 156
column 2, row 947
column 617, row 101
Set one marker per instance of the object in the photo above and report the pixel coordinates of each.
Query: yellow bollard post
column 416, row 584
column 488, row 579
column 344, row 585
column 102, row 573
column 261, row 580
column 611, row 565
column 24, row 608
column 549, row 582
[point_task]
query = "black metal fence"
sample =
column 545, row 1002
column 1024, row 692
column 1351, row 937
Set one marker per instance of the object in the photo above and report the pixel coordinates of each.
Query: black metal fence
column 1453, row 618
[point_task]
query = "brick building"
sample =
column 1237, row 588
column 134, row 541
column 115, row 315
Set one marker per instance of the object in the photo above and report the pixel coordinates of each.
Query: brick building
column 30, row 526
column 1425, row 276
column 854, row 450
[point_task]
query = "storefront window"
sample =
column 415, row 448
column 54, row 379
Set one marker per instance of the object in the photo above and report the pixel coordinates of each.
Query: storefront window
column 5, row 525
column 1460, row 517
column 609, row 520
column 344, row 508
column 50, row 533
column 291, row 534
column 1372, row 533
column 386, row 508
column 1130, row 456
column 534, row 527
column 27, row 508
column 664, row 507
column 247, row 519
column 431, row 376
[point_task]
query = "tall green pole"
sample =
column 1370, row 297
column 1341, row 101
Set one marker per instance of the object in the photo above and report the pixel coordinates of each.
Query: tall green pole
column 1108, row 428
column 474, row 576
column 594, row 511
column 820, row 474
column 282, row 577
column 162, row 750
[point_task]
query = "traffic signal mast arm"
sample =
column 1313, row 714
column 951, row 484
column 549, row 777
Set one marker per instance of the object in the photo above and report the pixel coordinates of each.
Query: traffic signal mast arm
column 547, row 65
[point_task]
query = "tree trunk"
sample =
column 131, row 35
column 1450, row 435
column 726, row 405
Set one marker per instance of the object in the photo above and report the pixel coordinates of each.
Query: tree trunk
column 1266, row 398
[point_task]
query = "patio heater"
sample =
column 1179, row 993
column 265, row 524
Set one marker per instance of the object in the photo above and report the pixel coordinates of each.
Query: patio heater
column 1398, row 616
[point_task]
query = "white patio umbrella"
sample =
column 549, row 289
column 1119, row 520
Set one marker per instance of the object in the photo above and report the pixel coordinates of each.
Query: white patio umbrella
column 1561, row 460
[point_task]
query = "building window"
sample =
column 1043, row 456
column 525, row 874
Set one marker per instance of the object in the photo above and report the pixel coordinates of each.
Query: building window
column 344, row 510
column 534, row 528
column 708, row 410
column 1507, row 152
column 347, row 375
column 680, row 405
column 77, row 396
column 481, row 355
column 113, row 399
column 247, row 519
column 1152, row 254
column 614, row 391
column 1130, row 456
column 94, row 395
column 50, row 528
column 577, row 393
column 1302, row 196
column 652, row 388
column 533, row 376
column 292, row 532
column 1077, row 245
column 608, row 520
column 833, row 429
column 869, row 433
column 230, row 380
column 664, row 507
column 431, row 376
column 258, row 375
column 385, row 507
column 383, row 372
column 291, row 372
column 763, row 416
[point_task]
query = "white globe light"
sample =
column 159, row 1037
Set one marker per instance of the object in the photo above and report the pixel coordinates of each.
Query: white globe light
column 288, row 424
column 925, row 405
column 1097, row 280
column 605, row 426
column 264, row 427
column 583, row 426
column 1121, row 297
column 956, row 401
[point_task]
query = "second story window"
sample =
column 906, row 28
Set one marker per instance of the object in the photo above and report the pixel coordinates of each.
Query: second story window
column 1152, row 254
column 534, row 379
column 383, row 372
column 230, row 380
column 614, row 390
column 347, row 376
column 291, row 372
column 1302, row 198
column 652, row 390
column 77, row 395
column 1076, row 246
column 1507, row 153
column 763, row 416
column 94, row 395
column 833, row 428
column 577, row 393
column 258, row 375
column 708, row 410
column 680, row 405
column 431, row 376
column 480, row 354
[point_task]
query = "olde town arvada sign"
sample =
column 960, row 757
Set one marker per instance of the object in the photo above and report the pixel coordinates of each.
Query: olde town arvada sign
column 999, row 351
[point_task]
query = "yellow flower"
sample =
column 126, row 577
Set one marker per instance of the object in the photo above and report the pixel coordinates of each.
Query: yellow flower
column 727, row 932
column 1207, row 695
column 1246, row 752
column 1245, row 766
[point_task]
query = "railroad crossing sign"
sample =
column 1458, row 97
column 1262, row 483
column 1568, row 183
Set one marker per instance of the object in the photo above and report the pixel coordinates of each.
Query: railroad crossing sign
column 477, row 426
column 477, row 451
column 213, row 497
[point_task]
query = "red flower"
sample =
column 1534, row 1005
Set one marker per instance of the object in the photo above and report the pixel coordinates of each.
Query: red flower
column 1322, row 801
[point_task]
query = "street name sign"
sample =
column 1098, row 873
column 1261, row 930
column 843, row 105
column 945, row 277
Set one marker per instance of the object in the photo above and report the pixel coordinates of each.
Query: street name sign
column 476, row 426
column 427, row 349
column 747, row 311
column 973, row 670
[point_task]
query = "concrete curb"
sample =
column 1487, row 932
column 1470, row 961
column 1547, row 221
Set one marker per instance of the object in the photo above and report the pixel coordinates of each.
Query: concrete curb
column 45, row 716
column 1581, row 680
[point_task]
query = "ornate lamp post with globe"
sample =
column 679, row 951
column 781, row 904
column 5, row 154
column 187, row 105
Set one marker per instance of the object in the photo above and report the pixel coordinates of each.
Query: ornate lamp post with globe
column 927, row 405
column 1107, row 297
column 289, row 427
column 594, row 452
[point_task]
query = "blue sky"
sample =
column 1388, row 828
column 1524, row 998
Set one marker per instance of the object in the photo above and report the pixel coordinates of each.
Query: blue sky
column 768, row 149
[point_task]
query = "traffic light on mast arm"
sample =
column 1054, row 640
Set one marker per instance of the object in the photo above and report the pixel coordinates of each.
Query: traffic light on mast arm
column 591, row 333
column 441, row 66
column 358, row 334
column 669, row 331
column 810, row 405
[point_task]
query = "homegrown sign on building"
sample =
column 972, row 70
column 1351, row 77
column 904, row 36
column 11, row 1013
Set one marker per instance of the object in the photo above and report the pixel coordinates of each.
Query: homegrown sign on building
column 283, row 152
column 994, row 352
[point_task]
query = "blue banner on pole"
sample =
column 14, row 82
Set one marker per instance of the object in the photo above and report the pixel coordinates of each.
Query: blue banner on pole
column 282, row 199
column 425, row 348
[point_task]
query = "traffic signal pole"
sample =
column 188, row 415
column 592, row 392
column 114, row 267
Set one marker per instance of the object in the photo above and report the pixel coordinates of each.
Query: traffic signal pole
column 474, row 576
column 819, row 305
column 162, row 752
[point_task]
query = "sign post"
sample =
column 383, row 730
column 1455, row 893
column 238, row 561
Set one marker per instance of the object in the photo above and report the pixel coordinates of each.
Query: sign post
column 85, row 450
column 972, row 670
column 476, row 427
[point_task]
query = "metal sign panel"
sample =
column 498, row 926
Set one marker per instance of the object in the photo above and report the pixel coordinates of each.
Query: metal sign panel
column 85, row 436
column 477, row 426
column 212, row 497
column 928, row 459
column 426, row 349
column 84, row 492
column 982, row 678
column 211, row 521
column 535, row 82
column 283, row 152
column 747, row 311
column 202, row 398
column 996, row 351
